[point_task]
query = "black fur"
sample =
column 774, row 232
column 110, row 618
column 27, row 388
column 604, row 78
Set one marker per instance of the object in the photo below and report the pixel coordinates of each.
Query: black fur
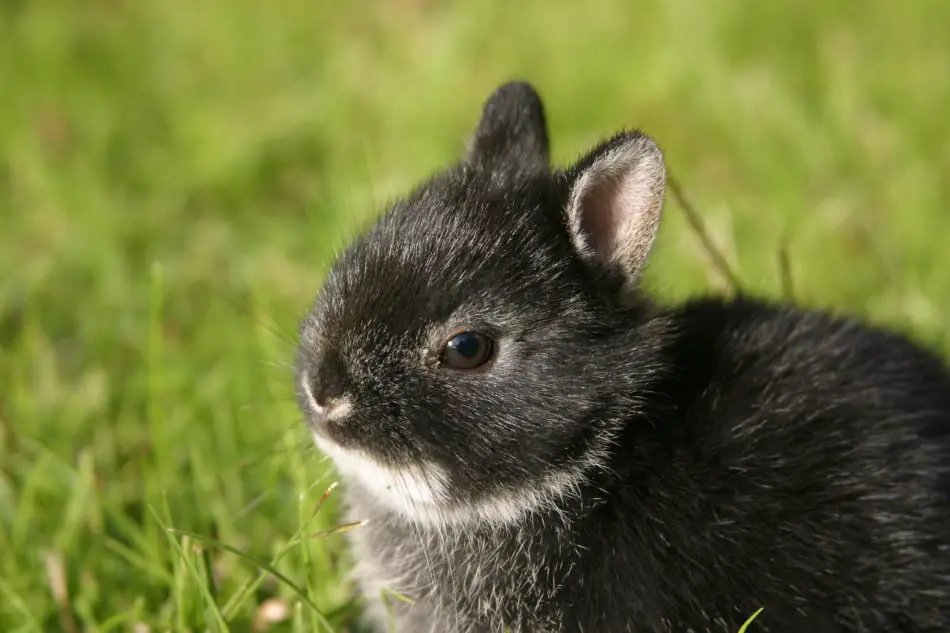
column 760, row 455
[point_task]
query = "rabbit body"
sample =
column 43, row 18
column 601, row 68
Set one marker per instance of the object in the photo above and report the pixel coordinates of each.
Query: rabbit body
column 539, row 448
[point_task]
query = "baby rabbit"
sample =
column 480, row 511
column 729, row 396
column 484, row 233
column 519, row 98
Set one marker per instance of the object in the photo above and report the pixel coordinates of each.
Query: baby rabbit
column 539, row 448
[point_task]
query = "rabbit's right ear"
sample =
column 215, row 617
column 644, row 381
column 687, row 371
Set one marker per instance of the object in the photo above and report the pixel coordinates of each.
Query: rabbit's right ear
column 512, row 134
column 616, row 201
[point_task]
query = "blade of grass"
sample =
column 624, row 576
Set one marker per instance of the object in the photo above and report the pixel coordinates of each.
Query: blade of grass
column 136, row 560
column 192, row 569
column 785, row 271
column 14, row 598
column 261, row 565
column 155, row 418
column 251, row 585
column 340, row 529
column 694, row 219
column 749, row 621
column 132, row 615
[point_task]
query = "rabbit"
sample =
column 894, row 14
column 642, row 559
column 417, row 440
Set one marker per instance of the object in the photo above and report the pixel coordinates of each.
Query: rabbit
column 536, row 446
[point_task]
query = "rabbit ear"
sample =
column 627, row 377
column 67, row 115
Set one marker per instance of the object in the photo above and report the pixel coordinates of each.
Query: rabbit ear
column 616, row 201
column 512, row 135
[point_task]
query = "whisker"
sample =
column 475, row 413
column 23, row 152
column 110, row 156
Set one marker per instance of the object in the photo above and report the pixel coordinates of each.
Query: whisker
column 431, row 590
column 440, row 528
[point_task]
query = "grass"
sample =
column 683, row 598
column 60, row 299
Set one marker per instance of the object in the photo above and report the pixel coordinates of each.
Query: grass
column 173, row 180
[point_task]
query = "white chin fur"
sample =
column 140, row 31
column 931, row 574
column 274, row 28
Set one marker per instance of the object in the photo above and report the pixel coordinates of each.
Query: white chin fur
column 421, row 493
column 409, row 490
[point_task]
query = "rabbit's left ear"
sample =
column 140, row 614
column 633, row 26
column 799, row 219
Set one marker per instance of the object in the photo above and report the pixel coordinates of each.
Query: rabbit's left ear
column 512, row 135
column 616, row 201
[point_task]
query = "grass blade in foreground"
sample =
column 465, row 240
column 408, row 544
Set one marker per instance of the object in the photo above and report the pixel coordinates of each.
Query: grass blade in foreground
column 261, row 565
column 745, row 626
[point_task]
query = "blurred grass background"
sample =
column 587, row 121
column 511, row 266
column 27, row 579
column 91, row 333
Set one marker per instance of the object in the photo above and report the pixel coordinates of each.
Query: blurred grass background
column 175, row 177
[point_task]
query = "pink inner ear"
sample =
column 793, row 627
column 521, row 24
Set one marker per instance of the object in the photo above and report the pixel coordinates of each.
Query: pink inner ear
column 602, row 213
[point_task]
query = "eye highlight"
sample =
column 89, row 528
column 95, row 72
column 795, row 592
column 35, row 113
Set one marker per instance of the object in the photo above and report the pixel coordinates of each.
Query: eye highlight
column 467, row 351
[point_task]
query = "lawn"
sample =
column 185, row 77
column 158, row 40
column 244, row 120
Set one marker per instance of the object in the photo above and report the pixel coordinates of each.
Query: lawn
column 174, row 179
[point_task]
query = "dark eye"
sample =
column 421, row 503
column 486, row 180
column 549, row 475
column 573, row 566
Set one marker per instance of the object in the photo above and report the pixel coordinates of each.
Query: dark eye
column 468, row 350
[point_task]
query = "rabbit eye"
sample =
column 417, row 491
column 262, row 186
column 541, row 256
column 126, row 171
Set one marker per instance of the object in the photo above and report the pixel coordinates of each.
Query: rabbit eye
column 468, row 350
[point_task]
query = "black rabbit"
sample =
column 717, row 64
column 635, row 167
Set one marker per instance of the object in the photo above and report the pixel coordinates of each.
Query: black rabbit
column 540, row 448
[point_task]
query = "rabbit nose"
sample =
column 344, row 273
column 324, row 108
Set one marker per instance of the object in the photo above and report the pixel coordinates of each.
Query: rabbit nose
column 325, row 378
column 334, row 410
column 326, row 393
column 328, row 405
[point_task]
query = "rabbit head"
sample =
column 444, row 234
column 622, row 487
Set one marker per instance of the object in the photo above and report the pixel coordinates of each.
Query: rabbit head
column 466, row 354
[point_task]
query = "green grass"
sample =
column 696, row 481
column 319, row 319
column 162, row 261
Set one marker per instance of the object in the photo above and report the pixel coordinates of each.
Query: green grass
column 174, row 178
